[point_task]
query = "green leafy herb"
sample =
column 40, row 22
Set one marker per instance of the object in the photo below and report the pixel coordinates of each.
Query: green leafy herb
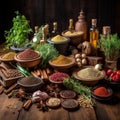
column 75, row 85
column 18, row 33
column 47, row 52
column 110, row 46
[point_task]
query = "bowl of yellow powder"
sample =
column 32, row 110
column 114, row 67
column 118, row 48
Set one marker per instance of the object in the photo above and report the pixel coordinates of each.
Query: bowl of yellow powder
column 62, row 63
column 75, row 37
column 61, row 43
column 8, row 57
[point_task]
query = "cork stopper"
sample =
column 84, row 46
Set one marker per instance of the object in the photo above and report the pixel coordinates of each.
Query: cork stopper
column 94, row 22
column 106, row 30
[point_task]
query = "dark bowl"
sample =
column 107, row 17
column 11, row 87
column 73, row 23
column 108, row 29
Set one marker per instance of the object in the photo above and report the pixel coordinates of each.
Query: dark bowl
column 61, row 47
column 31, row 83
column 70, row 104
column 102, row 98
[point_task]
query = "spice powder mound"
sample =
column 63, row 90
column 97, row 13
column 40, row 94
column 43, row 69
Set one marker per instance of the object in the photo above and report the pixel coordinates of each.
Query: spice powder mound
column 89, row 73
column 101, row 91
column 28, row 54
column 9, row 56
column 61, row 60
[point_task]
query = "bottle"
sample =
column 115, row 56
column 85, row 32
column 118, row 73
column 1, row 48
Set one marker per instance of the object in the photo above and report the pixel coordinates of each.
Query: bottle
column 47, row 30
column 55, row 30
column 71, row 26
column 94, row 36
column 35, row 34
column 44, row 38
column 81, row 25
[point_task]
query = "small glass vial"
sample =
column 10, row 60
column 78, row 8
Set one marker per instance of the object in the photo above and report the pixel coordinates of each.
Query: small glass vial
column 71, row 26
column 94, row 36
column 44, row 38
column 47, row 30
column 55, row 29
column 35, row 34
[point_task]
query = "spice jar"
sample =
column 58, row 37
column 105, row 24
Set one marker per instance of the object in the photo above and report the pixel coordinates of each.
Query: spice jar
column 81, row 25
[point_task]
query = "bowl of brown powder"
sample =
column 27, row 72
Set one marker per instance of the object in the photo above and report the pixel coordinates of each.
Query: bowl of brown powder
column 31, row 83
column 28, row 58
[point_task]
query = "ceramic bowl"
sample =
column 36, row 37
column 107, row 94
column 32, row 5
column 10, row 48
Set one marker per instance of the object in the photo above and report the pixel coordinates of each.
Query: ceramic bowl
column 74, row 39
column 102, row 98
column 61, row 47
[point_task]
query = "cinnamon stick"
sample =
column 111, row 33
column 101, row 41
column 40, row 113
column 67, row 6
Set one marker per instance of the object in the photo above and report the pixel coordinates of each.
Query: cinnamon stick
column 27, row 104
column 10, row 88
column 45, row 76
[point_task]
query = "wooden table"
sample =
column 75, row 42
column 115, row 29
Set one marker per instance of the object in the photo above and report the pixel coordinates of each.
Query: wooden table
column 11, row 108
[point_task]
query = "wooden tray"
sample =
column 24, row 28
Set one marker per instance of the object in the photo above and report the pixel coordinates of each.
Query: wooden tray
column 6, row 82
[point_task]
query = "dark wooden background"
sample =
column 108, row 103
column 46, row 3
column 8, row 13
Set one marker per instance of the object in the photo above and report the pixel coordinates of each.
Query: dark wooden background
column 40, row 12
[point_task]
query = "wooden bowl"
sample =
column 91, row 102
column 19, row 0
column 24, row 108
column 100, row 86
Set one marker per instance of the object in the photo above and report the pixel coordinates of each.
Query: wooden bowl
column 28, row 63
column 88, row 81
column 6, row 60
column 53, row 102
column 63, row 67
column 70, row 104
column 74, row 39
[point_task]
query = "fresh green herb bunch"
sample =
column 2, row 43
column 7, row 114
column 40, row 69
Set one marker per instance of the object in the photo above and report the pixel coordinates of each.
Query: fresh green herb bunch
column 75, row 85
column 47, row 52
column 18, row 33
column 110, row 46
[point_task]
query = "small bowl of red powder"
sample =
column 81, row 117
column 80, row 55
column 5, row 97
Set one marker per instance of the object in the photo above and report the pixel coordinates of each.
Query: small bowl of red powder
column 102, row 92
column 58, row 77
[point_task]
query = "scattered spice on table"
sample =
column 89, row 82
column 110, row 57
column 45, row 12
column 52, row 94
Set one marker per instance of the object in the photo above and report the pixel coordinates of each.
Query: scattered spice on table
column 85, row 103
column 61, row 60
column 101, row 91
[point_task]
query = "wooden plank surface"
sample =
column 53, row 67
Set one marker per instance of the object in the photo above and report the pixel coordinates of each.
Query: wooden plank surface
column 35, row 114
column 9, row 108
column 109, row 110
column 83, row 114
